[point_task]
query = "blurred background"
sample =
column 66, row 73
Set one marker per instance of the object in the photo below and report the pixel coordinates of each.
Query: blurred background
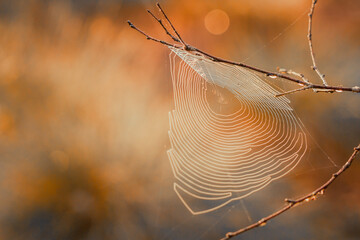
column 84, row 104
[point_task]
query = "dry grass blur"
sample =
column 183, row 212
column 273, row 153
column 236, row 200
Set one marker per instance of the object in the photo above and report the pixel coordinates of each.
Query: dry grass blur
column 83, row 115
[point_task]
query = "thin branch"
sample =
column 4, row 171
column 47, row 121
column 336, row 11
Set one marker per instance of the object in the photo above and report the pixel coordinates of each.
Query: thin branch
column 293, row 91
column 148, row 37
column 172, row 26
column 292, row 203
column 162, row 25
column 302, row 76
column 303, row 81
column 314, row 67
column 291, row 72
column 275, row 75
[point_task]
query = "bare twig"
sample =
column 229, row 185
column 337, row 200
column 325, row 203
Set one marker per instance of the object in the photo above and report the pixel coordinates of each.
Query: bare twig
column 291, row 72
column 300, row 75
column 292, row 203
column 293, row 91
column 162, row 25
column 314, row 66
column 302, row 81
column 283, row 74
column 148, row 37
column 172, row 26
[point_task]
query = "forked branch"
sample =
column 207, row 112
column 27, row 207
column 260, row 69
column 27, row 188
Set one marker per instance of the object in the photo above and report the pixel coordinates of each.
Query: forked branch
column 180, row 44
column 283, row 74
column 292, row 203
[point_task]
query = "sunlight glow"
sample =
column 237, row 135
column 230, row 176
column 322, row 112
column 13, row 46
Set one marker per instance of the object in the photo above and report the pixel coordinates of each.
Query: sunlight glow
column 217, row 22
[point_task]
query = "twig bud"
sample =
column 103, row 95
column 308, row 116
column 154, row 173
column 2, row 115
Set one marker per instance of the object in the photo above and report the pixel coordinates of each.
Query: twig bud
column 355, row 89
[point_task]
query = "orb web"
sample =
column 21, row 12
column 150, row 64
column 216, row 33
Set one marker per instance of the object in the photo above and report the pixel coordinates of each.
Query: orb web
column 220, row 157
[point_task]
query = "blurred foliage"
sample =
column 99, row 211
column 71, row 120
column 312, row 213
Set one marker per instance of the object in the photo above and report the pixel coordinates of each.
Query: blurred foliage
column 83, row 116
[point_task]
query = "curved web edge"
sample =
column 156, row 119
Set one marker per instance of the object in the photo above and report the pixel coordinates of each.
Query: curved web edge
column 218, row 158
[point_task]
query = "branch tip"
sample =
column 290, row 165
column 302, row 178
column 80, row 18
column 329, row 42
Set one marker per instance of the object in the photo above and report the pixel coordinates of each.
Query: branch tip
column 356, row 89
column 172, row 26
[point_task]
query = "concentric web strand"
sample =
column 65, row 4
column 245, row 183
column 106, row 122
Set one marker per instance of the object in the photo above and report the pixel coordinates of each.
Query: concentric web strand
column 219, row 157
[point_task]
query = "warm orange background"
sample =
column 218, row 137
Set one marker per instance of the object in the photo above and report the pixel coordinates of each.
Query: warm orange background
column 84, row 104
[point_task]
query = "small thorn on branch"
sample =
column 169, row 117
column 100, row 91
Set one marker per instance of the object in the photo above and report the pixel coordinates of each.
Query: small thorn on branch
column 262, row 223
column 356, row 89
column 290, row 201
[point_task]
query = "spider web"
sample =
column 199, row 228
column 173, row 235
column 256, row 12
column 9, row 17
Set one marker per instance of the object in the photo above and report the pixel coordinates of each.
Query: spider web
column 221, row 156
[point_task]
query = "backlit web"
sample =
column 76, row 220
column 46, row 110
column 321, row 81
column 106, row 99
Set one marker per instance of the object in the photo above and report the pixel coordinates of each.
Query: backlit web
column 221, row 155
